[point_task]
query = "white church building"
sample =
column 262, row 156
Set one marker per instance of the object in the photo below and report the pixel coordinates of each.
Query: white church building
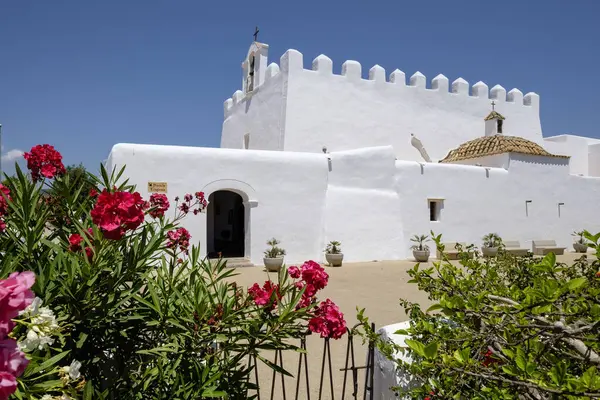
column 308, row 156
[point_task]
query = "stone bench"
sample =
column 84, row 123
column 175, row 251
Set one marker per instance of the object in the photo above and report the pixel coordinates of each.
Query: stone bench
column 450, row 250
column 543, row 247
column 514, row 247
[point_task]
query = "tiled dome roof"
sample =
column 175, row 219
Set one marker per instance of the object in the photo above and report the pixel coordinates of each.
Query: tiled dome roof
column 496, row 144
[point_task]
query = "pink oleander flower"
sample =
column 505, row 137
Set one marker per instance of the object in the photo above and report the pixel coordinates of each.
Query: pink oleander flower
column 89, row 253
column 44, row 160
column 184, row 207
column 179, row 237
column 314, row 276
column 75, row 241
column 12, row 365
column 264, row 296
column 12, row 360
column 8, row 385
column 328, row 321
column 201, row 200
column 312, row 279
column 4, row 199
column 159, row 205
column 15, row 296
column 188, row 203
column 117, row 212
column 294, row 272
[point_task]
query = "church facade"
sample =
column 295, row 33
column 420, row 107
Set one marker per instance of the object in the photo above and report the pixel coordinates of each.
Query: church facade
column 308, row 156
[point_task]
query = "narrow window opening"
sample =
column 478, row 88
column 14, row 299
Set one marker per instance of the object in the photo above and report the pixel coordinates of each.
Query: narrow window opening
column 435, row 207
column 500, row 126
column 246, row 141
column 250, row 79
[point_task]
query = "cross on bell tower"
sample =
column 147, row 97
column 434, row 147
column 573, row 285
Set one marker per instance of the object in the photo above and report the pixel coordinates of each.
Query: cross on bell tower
column 493, row 104
column 256, row 33
column 255, row 64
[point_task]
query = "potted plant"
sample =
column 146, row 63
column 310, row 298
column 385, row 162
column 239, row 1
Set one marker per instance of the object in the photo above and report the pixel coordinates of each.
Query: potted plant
column 333, row 254
column 420, row 249
column 273, row 256
column 580, row 244
column 491, row 244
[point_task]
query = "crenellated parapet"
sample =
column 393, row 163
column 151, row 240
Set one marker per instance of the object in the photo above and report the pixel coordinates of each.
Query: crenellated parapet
column 292, row 62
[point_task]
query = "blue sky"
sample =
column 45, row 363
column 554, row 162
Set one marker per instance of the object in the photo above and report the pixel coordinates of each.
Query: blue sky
column 84, row 75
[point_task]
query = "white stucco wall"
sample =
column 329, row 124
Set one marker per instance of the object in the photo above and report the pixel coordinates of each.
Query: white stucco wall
column 575, row 146
column 285, row 192
column 344, row 112
column 369, row 201
column 362, row 206
column 260, row 114
column 479, row 201
column 594, row 159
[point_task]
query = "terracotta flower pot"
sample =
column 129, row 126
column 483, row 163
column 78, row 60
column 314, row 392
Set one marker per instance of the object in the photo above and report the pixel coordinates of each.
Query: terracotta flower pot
column 334, row 260
column 273, row 264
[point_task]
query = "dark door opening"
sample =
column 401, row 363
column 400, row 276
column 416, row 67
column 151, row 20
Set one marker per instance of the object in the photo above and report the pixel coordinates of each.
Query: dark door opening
column 225, row 226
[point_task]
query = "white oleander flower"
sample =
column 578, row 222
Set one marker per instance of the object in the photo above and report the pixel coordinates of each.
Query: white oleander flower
column 73, row 370
column 46, row 397
column 33, row 308
column 35, row 339
column 43, row 326
column 65, row 397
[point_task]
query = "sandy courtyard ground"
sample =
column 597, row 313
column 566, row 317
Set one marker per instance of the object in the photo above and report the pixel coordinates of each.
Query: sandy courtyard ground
column 375, row 286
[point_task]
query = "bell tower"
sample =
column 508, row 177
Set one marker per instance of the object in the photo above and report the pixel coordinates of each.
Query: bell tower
column 494, row 122
column 255, row 65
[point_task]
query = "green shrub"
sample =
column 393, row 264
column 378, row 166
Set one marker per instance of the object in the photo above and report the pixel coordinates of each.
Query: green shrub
column 505, row 328
column 146, row 316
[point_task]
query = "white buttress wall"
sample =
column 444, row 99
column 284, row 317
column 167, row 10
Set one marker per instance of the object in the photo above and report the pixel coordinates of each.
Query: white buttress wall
column 284, row 192
column 362, row 206
column 478, row 200
column 578, row 147
column 594, row 160
column 261, row 115
column 346, row 111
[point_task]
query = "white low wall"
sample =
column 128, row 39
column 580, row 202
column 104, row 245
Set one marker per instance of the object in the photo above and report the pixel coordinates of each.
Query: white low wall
column 369, row 201
column 478, row 200
column 285, row 192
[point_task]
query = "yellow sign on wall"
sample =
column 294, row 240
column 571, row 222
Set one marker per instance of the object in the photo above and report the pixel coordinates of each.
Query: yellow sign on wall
column 157, row 187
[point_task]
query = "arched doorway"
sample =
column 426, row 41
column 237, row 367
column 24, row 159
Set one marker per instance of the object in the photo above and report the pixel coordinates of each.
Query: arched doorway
column 225, row 225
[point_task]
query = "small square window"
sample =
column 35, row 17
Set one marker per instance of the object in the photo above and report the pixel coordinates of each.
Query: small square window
column 435, row 209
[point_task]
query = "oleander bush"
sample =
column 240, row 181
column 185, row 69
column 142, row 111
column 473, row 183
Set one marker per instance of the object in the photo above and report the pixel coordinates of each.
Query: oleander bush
column 503, row 328
column 130, row 308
